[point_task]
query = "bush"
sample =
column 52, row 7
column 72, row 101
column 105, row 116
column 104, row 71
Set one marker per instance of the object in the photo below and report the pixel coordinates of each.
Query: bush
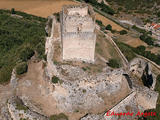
column 55, row 79
column 58, row 117
column 57, row 16
column 99, row 22
column 109, row 27
column 21, row 68
column 123, row 32
column 13, row 11
column 113, row 63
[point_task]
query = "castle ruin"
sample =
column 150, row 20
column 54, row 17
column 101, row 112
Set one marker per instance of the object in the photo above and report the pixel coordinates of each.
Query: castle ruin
column 78, row 33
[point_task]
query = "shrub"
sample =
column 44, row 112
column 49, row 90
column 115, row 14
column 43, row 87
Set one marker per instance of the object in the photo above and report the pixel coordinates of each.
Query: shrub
column 84, row 68
column 20, row 105
column 21, row 68
column 58, row 117
column 55, row 79
column 13, row 11
column 123, row 32
column 99, row 22
column 113, row 63
column 57, row 16
column 109, row 27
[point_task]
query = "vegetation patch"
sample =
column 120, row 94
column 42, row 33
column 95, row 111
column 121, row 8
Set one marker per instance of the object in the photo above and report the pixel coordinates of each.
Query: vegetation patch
column 20, row 105
column 126, row 50
column 55, row 79
column 113, row 63
column 26, row 53
column 60, row 116
column 147, row 39
column 123, row 32
column 19, row 37
column 21, row 68
column 109, row 27
column 101, row 6
column 57, row 16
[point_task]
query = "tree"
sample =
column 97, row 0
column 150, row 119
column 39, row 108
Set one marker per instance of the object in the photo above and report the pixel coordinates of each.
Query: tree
column 13, row 11
column 109, row 27
column 142, row 37
column 122, row 32
column 141, row 49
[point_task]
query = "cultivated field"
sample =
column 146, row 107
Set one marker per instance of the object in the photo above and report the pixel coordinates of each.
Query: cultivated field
column 45, row 8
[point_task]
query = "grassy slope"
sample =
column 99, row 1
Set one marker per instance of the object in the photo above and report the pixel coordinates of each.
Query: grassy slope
column 15, row 35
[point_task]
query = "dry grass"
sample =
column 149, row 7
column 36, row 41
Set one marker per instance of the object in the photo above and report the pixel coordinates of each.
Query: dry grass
column 45, row 8
column 131, row 39
column 155, row 50
column 105, row 48
column 106, row 21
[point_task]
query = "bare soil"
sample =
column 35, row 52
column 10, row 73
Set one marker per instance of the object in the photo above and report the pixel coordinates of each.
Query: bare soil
column 31, row 85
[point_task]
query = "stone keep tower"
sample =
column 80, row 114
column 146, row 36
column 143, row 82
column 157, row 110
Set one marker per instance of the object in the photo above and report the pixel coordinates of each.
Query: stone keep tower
column 78, row 33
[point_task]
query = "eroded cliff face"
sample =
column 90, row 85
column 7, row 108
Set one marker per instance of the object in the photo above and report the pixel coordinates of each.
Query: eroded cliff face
column 142, row 70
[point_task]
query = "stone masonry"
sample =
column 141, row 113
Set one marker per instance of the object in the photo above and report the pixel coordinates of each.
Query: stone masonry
column 78, row 33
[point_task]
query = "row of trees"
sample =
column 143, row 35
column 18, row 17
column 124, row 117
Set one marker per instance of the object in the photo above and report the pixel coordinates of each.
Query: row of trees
column 102, row 6
column 147, row 39
column 109, row 27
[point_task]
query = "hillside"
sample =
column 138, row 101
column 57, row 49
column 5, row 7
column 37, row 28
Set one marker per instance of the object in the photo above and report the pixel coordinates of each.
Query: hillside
column 138, row 8
column 21, row 35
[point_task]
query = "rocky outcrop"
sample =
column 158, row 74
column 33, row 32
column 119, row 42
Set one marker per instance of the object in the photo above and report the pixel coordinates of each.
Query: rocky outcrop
column 19, row 111
column 142, row 70
column 49, row 51
column 80, row 91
